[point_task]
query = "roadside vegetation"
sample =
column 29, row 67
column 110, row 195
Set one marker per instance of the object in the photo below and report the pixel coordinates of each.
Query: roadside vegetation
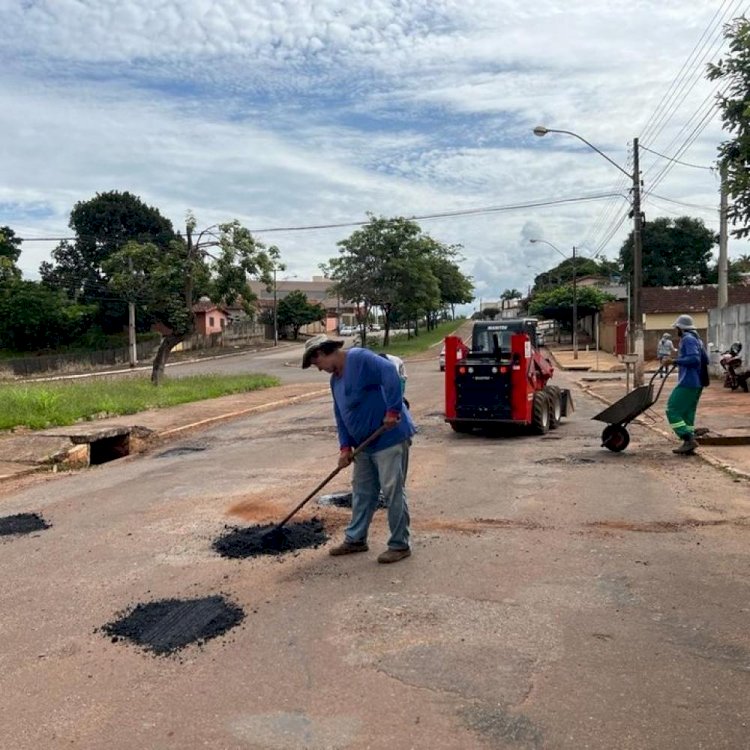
column 39, row 405
column 403, row 345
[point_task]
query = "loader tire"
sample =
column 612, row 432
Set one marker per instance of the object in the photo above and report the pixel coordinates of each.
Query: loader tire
column 540, row 414
column 461, row 427
column 555, row 406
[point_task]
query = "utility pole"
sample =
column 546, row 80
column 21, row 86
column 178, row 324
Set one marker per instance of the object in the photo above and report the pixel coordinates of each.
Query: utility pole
column 132, row 348
column 637, row 324
column 275, row 318
column 723, row 261
column 575, row 306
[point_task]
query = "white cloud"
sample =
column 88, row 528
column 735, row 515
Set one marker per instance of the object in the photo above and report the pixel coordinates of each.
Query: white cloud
column 290, row 113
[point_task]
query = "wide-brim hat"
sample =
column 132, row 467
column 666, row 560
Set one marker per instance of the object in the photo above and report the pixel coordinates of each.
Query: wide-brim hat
column 316, row 344
column 684, row 323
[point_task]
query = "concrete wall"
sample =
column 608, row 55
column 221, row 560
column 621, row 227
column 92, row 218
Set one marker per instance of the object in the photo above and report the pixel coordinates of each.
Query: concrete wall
column 726, row 326
column 662, row 322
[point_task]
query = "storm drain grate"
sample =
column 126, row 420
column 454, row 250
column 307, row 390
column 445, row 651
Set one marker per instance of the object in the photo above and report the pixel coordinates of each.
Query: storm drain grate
column 168, row 625
column 22, row 523
column 344, row 500
column 253, row 541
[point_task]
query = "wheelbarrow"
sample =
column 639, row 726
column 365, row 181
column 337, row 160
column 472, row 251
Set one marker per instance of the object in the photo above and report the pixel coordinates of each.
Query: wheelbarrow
column 619, row 415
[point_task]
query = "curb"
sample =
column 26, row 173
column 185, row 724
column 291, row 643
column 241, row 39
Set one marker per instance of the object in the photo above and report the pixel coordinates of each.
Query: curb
column 717, row 463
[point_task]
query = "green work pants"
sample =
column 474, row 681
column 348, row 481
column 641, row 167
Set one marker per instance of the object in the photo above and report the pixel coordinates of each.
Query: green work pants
column 681, row 408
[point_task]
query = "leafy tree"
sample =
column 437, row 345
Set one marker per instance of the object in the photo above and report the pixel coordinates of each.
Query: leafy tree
column 167, row 282
column 734, row 73
column 10, row 252
column 490, row 313
column 35, row 317
column 455, row 287
column 294, row 311
column 676, row 252
column 557, row 304
column 562, row 273
column 103, row 225
column 385, row 263
column 509, row 294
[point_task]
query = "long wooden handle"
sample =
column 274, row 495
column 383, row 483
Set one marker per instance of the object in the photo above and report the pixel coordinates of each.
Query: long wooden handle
column 375, row 435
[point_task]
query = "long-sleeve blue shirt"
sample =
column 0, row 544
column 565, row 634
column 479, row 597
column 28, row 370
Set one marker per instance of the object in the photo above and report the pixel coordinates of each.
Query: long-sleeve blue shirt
column 689, row 360
column 368, row 387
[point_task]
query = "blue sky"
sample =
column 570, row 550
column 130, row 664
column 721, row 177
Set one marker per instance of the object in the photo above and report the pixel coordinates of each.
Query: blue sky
column 294, row 113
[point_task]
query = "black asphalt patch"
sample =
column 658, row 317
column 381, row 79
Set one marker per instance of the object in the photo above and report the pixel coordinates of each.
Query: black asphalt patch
column 253, row 541
column 168, row 625
column 181, row 451
column 22, row 523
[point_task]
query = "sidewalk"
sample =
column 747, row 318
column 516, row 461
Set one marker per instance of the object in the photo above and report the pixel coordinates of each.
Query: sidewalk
column 85, row 443
column 725, row 414
column 587, row 361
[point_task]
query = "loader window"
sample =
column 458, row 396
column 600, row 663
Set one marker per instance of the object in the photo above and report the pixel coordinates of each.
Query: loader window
column 484, row 341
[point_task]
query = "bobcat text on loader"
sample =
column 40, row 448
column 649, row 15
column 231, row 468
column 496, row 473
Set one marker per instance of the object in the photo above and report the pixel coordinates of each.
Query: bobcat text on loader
column 502, row 380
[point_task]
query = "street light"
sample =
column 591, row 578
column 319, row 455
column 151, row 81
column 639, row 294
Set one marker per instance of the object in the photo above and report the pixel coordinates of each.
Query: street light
column 635, row 177
column 575, row 291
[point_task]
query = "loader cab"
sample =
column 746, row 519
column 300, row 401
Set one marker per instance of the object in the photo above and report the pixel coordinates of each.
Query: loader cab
column 492, row 339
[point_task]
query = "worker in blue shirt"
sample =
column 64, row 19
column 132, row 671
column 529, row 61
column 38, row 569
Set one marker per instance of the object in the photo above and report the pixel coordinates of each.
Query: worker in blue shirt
column 367, row 394
column 692, row 361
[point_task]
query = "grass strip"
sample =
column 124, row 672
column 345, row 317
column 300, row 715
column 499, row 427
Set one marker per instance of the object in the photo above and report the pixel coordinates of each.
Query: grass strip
column 65, row 402
column 403, row 346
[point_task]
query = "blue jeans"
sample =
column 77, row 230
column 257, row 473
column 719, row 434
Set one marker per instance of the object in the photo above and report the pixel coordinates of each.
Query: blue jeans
column 383, row 471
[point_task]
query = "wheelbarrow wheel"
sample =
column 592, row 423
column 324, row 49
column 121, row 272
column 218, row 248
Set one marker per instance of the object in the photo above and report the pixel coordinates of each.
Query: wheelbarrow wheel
column 615, row 438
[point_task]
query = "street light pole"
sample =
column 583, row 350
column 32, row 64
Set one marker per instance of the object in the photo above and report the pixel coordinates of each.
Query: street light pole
column 275, row 317
column 636, row 329
column 574, row 268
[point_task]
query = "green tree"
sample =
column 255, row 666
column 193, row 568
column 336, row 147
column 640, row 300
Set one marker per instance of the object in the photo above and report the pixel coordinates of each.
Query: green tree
column 294, row 311
column 36, row 318
column 455, row 287
column 490, row 313
column 103, row 225
column 509, row 294
column 166, row 282
column 385, row 263
column 557, row 304
column 676, row 252
column 10, row 252
column 734, row 73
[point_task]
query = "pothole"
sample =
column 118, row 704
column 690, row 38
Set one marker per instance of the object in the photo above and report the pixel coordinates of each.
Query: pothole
column 254, row 541
column 168, row 625
column 22, row 523
column 666, row 527
column 183, row 450
column 565, row 460
column 344, row 500
column 108, row 449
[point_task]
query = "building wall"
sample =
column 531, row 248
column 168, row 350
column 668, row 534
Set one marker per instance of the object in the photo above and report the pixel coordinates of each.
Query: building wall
column 611, row 313
column 725, row 326
column 663, row 321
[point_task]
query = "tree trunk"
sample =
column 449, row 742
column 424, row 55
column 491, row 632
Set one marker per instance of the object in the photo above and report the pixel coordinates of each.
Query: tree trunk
column 386, row 325
column 162, row 355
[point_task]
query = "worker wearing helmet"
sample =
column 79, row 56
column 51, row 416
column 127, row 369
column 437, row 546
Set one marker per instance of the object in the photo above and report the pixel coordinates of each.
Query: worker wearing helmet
column 665, row 351
column 692, row 361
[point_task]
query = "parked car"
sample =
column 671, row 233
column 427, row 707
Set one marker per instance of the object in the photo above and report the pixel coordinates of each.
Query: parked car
column 347, row 330
column 441, row 359
column 375, row 327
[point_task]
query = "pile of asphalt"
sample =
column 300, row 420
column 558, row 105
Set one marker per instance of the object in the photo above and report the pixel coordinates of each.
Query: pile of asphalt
column 253, row 541
column 22, row 523
column 167, row 625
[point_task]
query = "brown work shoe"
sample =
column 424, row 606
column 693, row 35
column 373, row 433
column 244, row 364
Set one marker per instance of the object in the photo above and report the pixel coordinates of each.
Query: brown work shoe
column 348, row 548
column 393, row 555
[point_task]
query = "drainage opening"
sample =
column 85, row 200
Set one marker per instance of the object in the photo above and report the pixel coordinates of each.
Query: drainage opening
column 108, row 449
column 168, row 625
column 22, row 523
column 253, row 541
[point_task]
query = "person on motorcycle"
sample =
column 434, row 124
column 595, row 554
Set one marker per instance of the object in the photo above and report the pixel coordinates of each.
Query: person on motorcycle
column 664, row 351
column 692, row 361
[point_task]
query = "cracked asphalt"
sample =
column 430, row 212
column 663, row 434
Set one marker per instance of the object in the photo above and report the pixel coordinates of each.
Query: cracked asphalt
column 559, row 596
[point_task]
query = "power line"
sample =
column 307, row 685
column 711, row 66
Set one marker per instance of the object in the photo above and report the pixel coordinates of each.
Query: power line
column 677, row 161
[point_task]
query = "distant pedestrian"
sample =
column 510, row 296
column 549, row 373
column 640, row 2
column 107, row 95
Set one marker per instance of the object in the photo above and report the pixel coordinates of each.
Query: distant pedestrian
column 367, row 393
column 692, row 361
column 665, row 351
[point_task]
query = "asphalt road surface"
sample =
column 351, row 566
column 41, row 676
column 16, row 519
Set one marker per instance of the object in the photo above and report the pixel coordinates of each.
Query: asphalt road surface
column 559, row 596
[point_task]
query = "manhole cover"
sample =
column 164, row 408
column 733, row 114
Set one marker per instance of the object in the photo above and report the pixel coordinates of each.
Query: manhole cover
column 344, row 500
column 253, row 541
column 181, row 451
column 22, row 523
column 170, row 624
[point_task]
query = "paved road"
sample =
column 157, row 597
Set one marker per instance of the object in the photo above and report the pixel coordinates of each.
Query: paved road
column 560, row 596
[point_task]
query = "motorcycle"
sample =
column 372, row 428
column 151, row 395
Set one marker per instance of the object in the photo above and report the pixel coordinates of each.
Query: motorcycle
column 730, row 361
